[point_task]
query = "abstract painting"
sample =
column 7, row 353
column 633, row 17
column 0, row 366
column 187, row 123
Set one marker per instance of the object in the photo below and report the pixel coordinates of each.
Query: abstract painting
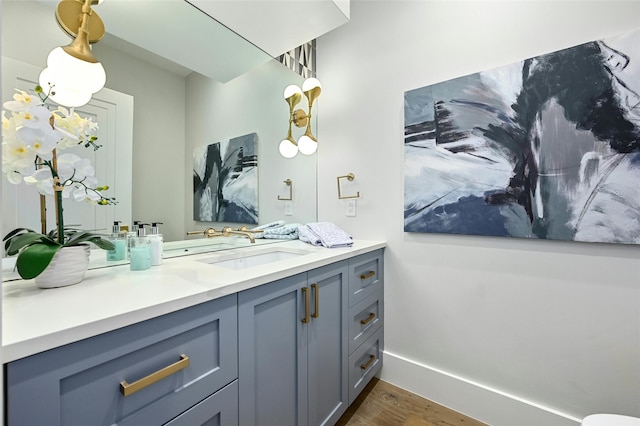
column 225, row 181
column 545, row 148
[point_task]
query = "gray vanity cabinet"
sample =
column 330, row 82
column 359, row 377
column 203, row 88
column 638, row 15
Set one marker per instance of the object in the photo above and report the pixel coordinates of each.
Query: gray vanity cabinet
column 366, row 319
column 293, row 349
column 110, row 379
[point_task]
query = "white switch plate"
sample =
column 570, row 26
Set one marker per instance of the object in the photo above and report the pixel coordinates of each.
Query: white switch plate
column 288, row 208
column 351, row 207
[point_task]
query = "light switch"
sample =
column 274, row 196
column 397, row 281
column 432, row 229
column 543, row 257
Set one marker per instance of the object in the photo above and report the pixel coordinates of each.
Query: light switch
column 288, row 208
column 351, row 207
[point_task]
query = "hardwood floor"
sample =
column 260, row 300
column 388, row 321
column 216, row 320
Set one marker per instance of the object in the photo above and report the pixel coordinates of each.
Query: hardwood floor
column 383, row 404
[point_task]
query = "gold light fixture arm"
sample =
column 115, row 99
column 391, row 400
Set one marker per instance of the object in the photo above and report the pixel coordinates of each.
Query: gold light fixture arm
column 78, row 20
column 289, row 183
column 350, row 177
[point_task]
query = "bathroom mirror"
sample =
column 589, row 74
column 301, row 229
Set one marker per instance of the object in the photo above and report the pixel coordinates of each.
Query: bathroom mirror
column 176, row 109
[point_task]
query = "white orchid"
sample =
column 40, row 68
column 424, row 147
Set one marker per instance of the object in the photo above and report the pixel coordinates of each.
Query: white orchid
column 76, row 129
column 31, row 139
column 30, row 136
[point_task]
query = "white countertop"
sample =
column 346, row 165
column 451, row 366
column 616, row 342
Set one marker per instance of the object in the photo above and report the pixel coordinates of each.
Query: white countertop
column 35, row 320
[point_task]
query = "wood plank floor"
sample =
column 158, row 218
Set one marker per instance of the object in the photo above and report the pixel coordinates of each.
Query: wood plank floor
column 383, row 404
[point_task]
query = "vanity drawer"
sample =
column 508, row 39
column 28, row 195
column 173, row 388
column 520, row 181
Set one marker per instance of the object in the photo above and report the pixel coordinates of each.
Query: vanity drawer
column 221, row 409
column 364, row 363
column 364, row 319
column 82, row 383
column 365, row 276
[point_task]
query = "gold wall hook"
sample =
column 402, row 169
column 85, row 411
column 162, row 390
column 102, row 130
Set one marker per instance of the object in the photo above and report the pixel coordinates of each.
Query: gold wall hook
column 350, row 177
column 289, row 183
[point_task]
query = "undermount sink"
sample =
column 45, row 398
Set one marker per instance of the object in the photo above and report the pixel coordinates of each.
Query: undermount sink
column 252, row 259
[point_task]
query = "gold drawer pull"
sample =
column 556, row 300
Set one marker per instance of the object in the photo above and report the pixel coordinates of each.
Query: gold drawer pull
column 367, row 275
column 316, row 307
column 128, row 389
column 372, row 359
column 307, row 302
column 368, row 319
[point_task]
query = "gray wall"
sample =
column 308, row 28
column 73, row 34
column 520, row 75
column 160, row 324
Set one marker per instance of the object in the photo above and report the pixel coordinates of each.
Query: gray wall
column 509, row 331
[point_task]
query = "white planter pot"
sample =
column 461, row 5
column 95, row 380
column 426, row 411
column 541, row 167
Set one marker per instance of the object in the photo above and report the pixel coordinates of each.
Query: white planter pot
column 67, row 267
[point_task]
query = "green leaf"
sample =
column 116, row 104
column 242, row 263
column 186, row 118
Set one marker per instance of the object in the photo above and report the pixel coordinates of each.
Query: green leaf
column 102, row 243
column 23, row 240
column 11, row 235
column 77, row 237
column 35, row 259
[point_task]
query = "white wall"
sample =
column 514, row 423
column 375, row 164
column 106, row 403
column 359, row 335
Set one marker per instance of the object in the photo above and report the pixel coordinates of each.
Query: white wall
column 488, row 326
column 158, row 137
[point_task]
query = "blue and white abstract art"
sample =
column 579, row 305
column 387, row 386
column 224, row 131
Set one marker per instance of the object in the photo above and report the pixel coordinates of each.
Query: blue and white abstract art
column 547, row 148
column 225, row 181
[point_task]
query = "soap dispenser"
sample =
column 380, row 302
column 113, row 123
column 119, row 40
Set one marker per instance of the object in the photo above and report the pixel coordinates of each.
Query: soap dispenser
column 156, row 244
column 132, row 233
column 140, row 250
column 119, row 241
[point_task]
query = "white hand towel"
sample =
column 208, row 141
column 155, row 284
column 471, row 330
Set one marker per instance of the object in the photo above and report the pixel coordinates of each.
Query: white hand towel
column 330, row 235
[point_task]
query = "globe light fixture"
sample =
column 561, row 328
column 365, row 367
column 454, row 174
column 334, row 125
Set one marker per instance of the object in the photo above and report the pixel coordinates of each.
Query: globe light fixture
column 73, row 74
column 307, row 144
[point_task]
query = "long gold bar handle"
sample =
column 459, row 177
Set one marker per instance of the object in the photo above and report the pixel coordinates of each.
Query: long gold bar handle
column 368, row 319
column 316, row 295
column 367, row 275
column 128, row 389
column 372, row 359
column 307, row 302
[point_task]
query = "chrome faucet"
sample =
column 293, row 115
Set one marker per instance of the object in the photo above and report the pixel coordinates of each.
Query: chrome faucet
column 209, row 233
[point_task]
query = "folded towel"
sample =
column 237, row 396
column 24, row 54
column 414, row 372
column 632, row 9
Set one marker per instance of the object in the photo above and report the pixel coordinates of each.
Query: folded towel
column 329, row 235
column 308, row 236
column 266, row 226
column 283, row 232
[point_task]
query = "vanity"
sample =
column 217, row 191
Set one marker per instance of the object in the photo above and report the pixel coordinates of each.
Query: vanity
column 283, row 333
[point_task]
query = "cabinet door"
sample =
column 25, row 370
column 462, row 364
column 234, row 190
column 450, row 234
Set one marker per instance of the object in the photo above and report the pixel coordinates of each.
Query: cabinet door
column 220, row 409
column 272, row 363
column 328, row 344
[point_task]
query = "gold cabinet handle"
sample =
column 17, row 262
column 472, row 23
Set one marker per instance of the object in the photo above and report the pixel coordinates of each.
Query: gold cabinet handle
column 367, row 275
column 316, row 295
column 307, row 302
column 372, row 359
column 128, row 389
column 368, row 319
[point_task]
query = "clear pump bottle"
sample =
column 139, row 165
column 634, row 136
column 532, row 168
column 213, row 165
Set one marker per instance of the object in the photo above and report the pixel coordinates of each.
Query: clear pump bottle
column 119, row 240
column 156, row 244
column 140, row 250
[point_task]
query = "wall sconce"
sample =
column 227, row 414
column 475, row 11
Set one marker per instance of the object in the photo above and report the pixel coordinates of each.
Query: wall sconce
column 72, row 72
column 307, row 144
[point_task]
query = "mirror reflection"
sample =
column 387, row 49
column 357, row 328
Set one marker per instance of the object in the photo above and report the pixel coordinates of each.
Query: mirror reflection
column 175, row 111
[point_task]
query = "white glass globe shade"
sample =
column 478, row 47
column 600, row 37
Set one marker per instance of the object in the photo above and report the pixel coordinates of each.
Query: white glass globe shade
column 73, row 72
column 65, row 96
column 306, row 145
column 311, row 83
column 291, row 90
column 287, row 149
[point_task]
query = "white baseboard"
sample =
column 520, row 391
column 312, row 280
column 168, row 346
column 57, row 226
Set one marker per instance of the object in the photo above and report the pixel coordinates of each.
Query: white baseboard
column 480, row 402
